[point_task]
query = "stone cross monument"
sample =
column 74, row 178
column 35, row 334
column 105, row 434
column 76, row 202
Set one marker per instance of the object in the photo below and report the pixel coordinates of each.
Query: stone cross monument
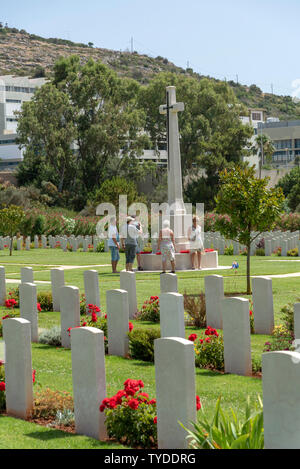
column 178, row 218
column 171, row 110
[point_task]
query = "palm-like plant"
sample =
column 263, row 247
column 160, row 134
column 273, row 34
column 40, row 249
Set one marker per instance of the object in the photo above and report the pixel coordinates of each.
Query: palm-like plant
column 228, row 431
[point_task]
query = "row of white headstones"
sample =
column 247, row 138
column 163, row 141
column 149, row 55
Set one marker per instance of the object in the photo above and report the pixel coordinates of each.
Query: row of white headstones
column 54, row 242
column 285, row 240
column 174, row 356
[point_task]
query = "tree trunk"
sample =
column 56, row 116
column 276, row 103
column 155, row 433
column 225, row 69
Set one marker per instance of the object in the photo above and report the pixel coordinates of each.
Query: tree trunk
column 248, row 271
column 11, row 246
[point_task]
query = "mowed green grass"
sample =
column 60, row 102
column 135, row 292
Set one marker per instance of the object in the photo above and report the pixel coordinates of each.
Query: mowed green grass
column 53, row 365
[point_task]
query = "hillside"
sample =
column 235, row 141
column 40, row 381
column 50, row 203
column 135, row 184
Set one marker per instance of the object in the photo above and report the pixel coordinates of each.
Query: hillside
column 22, row 53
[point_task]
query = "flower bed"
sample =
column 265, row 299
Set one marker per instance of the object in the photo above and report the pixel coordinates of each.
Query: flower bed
column 150, row 310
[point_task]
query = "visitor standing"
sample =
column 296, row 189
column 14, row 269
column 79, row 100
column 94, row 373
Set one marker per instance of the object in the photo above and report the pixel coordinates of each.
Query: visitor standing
column 196, row 243
column 166, row 244
column 114, row 244
column 129, row 242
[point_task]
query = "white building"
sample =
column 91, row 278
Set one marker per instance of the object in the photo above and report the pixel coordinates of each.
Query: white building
column 13, row 92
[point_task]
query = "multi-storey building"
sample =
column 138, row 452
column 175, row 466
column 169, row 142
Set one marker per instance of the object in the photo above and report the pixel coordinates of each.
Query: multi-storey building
column 285, row 136
column 13, row 92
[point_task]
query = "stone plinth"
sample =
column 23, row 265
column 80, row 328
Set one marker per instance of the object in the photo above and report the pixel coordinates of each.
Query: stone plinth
column 209, row 260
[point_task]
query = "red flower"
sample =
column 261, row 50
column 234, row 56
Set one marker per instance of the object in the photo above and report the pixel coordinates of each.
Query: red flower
column 198, row 403
column 39, row 307
column 130, row 326
column 6, row 317
column 250, row 313
column 2, row 386
column 84, row 324
column 33, row 375
column 133, row 404
column 94, row 317
column 143, row 396
column 131, row 386
column 201, row 341
column 207, row 340
column 193, row 337
column 152, row 402
column 155, row 420
column 105, row 316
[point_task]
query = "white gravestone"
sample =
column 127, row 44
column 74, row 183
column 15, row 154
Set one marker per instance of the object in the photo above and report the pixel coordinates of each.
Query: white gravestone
column 175, row 390
column 28, row 307
column 89, row 382
column 297, row 321
column 26, row 275
column 281, row 398
column 236, row 335
column 57, row 281
column 128, row 283
column 214, row 294
column 168, row 283
column 2, row 286
column 117, row 322
column 36, row 242
column 172, row 315
column 69, row 313
column 91, row 288
column 18, row 367
column 263, row 309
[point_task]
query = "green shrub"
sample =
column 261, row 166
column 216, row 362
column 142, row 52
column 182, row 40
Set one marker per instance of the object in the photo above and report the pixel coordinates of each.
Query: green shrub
column 100, row 247
column 131, row 416
column 141, row 344
column 227, row 431
column 228, row 251
column 282, row 339
column 150, row 310
column 51, row 337
column 260, row 252
column 293, row 252
column 82, row 304
column 39, row 225
column 209, row 350
column 45, row 300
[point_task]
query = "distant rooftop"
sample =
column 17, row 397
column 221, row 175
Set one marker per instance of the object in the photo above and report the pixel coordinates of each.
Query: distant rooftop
column 13, row 80
column 270, row 125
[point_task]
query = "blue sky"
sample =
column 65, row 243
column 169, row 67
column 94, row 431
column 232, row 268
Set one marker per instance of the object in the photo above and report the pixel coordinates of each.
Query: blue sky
column 255, row 39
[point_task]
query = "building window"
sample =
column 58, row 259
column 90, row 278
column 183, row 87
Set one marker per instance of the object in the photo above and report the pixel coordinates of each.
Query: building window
column 282, row 144
column 15, row 101
column 256, row 116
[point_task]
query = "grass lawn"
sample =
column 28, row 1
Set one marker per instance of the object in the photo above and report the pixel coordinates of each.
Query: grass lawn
column 54, row 365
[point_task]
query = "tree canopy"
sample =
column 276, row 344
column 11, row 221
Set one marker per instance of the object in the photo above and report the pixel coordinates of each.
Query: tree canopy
column 251, row 206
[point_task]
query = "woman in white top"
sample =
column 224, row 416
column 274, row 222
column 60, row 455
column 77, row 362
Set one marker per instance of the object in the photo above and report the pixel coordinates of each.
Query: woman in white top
column 196, row 243
column 166, row 244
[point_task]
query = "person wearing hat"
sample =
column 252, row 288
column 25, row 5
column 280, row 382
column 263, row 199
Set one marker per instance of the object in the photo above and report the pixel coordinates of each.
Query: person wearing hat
column 166, row 244
column 129, row 242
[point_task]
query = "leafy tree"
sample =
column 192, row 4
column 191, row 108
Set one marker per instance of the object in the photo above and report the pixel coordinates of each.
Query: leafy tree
column 290, row 184
column 211, row 133
column 251, row 206
column 10, row 222
column 46, row 131
column 111, row 189
column 107, row 120
column 81, row 129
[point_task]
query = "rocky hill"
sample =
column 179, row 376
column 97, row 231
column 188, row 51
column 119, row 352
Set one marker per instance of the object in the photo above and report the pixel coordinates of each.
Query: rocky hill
column 22, row 53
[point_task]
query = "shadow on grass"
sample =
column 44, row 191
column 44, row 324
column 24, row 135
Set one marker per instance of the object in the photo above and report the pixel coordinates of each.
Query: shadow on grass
column 53, row 434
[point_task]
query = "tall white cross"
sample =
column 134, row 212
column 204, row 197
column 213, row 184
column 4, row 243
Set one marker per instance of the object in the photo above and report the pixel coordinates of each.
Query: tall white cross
column 171, row 110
